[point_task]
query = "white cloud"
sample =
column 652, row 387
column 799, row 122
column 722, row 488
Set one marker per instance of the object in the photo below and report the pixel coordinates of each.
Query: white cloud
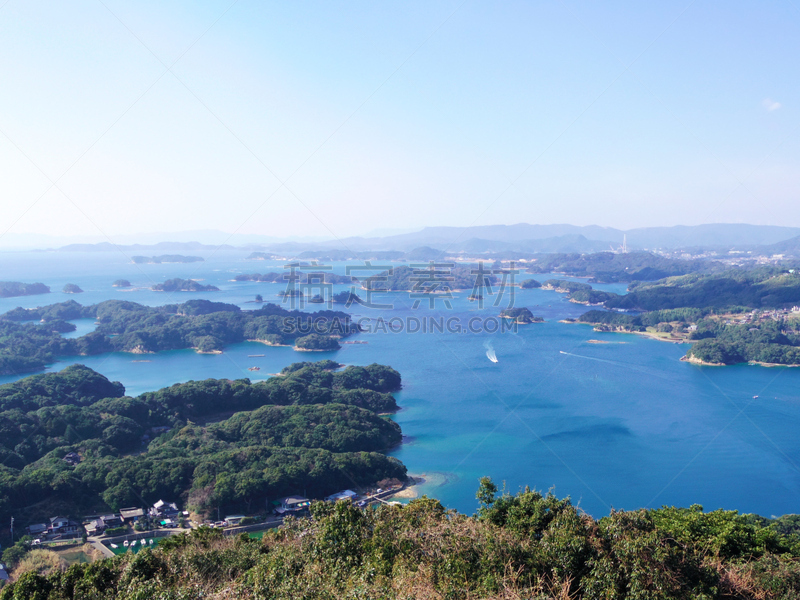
column 770, row 105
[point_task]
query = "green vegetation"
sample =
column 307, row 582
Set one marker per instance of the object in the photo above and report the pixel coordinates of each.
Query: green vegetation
column 315, row 341
column 346, row 298
column 309, row 429
column 771, row 342
column 627, row 322
column 581, row 293
column 9, row 289
column 520, row 315
column 71, row 288
column 130, row 327
column 764, row 287
column 123, row 283
column 183, row 285
column 608, row 267
column 528, row 545
column 709, row 310
column 530, row 284
column 422, row 279
column 166, row 258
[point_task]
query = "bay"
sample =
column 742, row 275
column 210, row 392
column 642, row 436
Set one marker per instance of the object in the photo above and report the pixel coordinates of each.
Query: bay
column 622, row 424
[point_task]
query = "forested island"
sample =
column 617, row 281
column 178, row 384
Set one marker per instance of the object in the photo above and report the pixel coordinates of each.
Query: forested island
column 756, row 288
column 426, row 280
column 313, row 428
column 609, row 267
column 580, row 293
column 736, row 316
column 301, row 277
column 526, row 545
column 130, row 327
column 183, row 285
column 165, row 258
column 10, row 289
column 530, row 284
column 71, row 288
column 521, row 315
column 121, row 283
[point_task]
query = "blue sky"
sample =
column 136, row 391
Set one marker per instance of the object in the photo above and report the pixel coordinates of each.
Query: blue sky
column 334, row 119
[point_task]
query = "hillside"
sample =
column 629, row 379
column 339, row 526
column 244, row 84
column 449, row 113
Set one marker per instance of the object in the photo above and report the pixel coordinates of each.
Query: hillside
column 524, row 546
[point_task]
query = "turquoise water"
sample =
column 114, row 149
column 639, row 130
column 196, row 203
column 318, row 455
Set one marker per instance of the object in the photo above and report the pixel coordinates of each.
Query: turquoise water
column 623, row 424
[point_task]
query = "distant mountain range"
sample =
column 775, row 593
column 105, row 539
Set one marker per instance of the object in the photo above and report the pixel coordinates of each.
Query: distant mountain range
column 521, row 238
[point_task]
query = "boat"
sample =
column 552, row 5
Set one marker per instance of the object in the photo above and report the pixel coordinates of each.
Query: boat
column 114, row 546
column 490, row 354
column 755, row 397
column 253, row 368
column 126, row 543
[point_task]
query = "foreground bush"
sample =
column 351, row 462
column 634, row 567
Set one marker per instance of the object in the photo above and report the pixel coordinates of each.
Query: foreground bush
column 524, row 546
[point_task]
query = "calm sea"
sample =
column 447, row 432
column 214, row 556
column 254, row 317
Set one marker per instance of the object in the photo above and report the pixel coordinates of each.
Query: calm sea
column 621, row 424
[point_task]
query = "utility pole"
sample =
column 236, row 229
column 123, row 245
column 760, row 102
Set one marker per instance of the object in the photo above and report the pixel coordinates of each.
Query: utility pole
column 12, row 530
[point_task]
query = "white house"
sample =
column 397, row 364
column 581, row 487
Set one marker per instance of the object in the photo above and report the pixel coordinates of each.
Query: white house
column 343, row 495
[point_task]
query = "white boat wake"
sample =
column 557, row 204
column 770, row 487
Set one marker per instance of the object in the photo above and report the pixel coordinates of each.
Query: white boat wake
column 490, row 354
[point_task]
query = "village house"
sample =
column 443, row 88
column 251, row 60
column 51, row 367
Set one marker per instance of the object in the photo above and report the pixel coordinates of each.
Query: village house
column 163, row 509
column 100, row 524
column 72, row 459
column 36, row 530
column 291, row 505
column 343, row 495
column 131, row 515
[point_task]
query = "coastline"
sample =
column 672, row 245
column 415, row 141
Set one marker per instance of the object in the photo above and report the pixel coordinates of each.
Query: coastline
column 697, row 361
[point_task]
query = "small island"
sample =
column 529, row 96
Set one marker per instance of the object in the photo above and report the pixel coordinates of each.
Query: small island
column 183, row 285
column 165, row 258
column 71, row 288
column 11, row 289
column 316, row 343
column 430, row 281
column 530, row 284
column 522, row 315
column 262, row 256
column 579, row 293
column 121, row 283
column 346, row 298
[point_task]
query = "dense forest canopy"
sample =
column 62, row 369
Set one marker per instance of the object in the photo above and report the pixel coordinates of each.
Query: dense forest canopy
column 131, row 327
column 764, row 287
column 183, row 285
column 608, row 267
column 9, row 289
column 527, row 545
column 312, row 428
column 430, row 278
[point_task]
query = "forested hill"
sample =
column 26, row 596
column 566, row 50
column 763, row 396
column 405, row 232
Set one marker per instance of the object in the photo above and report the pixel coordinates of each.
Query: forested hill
column 422, row 278
column 313, row 428
column 9, row 289
column 764, row 287
column 733, row 317
column 609, row 267
column 524, row 546
column 26, row 345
